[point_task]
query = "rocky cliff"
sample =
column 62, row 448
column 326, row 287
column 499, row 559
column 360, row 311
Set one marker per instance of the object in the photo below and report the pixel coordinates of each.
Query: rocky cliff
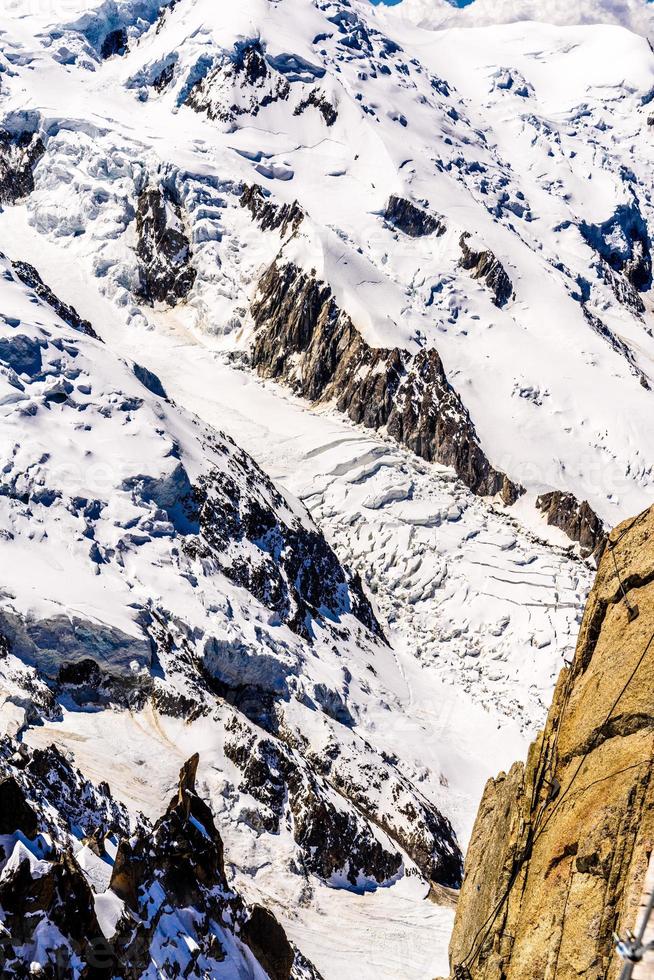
column 304, row 338
column 561, row 844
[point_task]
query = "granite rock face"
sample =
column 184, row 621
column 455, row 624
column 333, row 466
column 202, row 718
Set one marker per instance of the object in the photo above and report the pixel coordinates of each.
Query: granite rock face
column 562, row 843
column 68, row 847
column 412, row 220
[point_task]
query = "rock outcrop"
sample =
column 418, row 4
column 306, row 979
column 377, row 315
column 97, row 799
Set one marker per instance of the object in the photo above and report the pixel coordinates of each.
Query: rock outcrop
column 284, row 218
column 242, row 86
column 335, row 843
column 30, row 277
column 164, row 251
column 115, row 43
column 305, row 339
column 19, row 154
column 624, row 244
column 578, row 520
column 562, row 843
column 411, row 220
column 484, row 265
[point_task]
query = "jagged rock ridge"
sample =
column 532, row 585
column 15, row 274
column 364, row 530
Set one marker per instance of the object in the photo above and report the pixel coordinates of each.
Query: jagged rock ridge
column 562, row 843
column 304, row 338
column 87, row 891
column 578, row 520
column 252, row 614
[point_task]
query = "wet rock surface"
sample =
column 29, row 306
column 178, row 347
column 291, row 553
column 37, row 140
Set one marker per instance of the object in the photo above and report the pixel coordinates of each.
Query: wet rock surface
column 578, row 520
column 561, row 844
column 163, row 250
column 305, row 339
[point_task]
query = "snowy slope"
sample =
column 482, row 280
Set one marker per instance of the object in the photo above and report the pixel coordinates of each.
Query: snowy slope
column 500, row 146
column 469, row 209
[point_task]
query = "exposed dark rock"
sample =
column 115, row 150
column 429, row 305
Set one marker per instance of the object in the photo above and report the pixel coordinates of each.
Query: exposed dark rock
column 293, row 571
column 337, row 841
column 319, row 101
column 285, row 218
column 28, row 275
column 267, row 940
column 164, row 78
column 411, row 220
column 183, row 857
column 486, row 266
column 164, row 251
column 15, row 811
column 296, row 314
column 578, row 520
column 243, row 86
column 115, row 43
column 171, row 877
column 62, row 896
column 19, row 154
column 623, row 242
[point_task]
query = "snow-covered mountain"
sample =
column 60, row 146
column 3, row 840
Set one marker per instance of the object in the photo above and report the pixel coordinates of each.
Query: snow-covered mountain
column 326, row 360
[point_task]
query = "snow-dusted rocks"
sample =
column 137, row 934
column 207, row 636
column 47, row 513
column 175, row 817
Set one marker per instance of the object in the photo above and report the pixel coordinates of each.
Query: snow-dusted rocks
column 19, row 154
column 399, row 226
column 244, row 85
column 85, row 890
column 482, row 264
column 166, row 271
column 577, row 519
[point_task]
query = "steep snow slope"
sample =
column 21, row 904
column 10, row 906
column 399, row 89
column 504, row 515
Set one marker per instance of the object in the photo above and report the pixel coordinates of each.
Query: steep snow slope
column 480, row 615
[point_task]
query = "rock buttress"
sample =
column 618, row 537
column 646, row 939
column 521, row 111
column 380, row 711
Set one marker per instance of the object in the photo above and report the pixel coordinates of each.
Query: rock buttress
column 305, row 339
column 561, row 845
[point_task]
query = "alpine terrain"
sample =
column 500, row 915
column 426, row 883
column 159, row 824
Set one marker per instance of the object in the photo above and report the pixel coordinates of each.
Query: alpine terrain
column 326, row 368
